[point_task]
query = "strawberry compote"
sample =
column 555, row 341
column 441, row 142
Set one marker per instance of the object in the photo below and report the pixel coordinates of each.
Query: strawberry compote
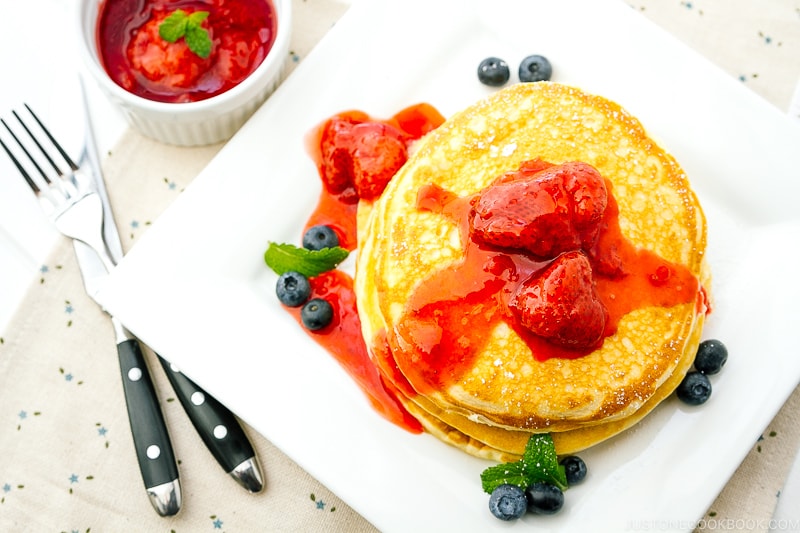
column 140, row 61
column 356, row 156
column 543, row 252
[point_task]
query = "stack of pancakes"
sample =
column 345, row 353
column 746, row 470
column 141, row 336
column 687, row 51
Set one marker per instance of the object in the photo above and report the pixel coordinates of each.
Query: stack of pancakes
column 508, row 391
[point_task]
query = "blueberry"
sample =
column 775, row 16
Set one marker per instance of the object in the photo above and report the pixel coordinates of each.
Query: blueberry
column 574, row 468
column 535, row 68
column 292, row 288
column 319, row 237
column 711, row 357
column 544, row 498
column 508, row 502
column 316, row 314
column 694, row 389
column 493, row 71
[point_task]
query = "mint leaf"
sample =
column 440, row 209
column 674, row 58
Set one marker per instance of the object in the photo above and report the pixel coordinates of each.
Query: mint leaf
column 539, row 463
column 197, row 18
column 501, row 474
column 198, row 41
column 180, row 24
column 173, row 27
column 285, row 257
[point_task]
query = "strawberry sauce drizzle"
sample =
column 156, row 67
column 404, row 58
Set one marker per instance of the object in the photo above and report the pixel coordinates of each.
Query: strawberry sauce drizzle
column 338, row 208
column 342, row 339
column 451, row 313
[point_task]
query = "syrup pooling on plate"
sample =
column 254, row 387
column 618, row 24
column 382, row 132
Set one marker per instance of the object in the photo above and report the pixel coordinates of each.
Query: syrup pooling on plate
column 142, row 62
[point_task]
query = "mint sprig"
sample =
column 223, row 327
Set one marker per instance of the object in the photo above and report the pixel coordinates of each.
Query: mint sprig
column 539, row 463
column 282, row 257
column 189, row 26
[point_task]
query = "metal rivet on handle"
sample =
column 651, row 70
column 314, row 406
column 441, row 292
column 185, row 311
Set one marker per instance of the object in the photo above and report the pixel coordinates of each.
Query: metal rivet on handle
column 198, row 398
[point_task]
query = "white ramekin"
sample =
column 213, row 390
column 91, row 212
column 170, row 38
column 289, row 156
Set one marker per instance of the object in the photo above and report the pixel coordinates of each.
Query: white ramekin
column 207, row 121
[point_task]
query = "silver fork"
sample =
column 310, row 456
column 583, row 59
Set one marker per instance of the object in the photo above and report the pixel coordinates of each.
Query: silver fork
column 78, row 205
column 69, row 199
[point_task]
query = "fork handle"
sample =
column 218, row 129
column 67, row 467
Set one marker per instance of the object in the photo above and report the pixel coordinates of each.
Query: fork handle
column 218, row 427
column 150, row 436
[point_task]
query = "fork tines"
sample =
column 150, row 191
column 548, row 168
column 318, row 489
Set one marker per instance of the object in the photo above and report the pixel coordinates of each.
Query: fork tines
column 39, row 158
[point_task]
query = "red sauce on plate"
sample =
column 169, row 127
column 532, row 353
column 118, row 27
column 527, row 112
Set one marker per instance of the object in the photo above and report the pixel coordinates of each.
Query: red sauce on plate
column 342, row 339
column 337, row 208
column 242, row 33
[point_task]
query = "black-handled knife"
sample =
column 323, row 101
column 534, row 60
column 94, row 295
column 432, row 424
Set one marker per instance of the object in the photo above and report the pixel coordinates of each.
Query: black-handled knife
column 150, row 437
column 228, row 451
column 218, row 427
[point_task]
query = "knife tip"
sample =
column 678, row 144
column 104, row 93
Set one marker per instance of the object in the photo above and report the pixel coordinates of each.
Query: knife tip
column 248, row 475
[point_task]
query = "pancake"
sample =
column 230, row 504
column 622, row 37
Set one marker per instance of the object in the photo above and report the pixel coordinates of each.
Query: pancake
column 504, row 445
column 455, row 346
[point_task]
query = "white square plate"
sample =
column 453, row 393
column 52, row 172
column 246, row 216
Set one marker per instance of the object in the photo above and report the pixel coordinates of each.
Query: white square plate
column 196, row 290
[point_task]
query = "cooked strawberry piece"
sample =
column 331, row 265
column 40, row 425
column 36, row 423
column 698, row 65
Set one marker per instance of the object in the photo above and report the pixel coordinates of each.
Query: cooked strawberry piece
column 524, row 215
column 168, row 64
column 561, row 303
column 588, row 193
column 377, row 153
column 358, row 157
column 546, row 210
column 237, row 52
column 605, row 254
column 336, row 167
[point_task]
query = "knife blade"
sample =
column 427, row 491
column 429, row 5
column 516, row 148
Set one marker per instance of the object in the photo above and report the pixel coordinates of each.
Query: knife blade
column 217, row 426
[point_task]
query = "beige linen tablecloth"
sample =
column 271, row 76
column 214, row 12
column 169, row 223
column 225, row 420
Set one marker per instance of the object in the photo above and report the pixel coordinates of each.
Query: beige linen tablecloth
column 66, row 457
